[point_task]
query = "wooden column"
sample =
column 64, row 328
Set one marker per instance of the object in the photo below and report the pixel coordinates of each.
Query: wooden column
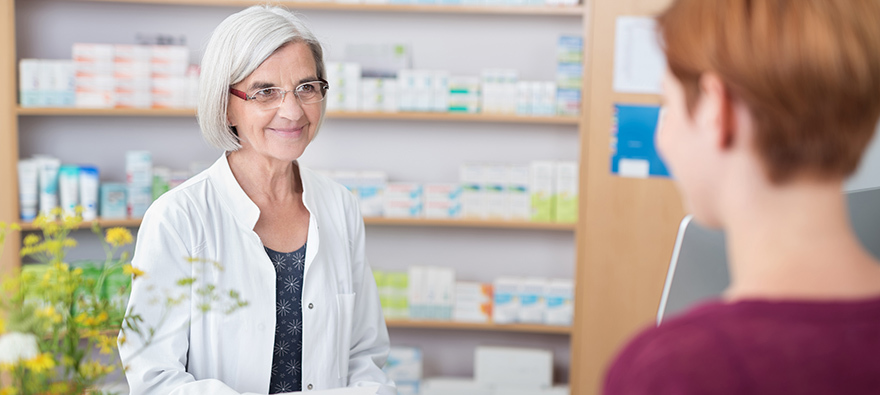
column 627, row 227
column 8, row 135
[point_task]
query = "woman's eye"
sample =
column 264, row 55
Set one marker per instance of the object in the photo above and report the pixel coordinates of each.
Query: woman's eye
column 307, row 88
column 264, row 94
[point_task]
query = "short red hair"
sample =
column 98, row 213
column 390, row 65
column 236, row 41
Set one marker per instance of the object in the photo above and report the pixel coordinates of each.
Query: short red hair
column 808, row 71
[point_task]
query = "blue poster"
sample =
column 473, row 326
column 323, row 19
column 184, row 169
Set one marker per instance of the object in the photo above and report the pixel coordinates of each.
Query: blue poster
column 633, row 153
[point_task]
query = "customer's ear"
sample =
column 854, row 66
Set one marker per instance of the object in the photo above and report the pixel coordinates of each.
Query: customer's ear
column 715, row 110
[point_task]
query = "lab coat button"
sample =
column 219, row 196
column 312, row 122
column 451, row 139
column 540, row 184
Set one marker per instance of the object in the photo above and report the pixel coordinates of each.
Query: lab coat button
column 311, row 306
column 309, row 387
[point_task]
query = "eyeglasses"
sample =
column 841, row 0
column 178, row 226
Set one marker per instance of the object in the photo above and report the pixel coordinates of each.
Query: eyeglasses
column 272, row 98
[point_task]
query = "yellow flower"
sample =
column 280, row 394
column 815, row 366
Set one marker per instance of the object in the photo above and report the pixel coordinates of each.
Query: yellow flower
column 31, row 239
column 15, row 226
column 8, row 391
column 50, row 313
column 118, row 236
column 72, row 222
column 130, row 270
column 51, row 228
column 91, row 333
column 40, row 363
column 107, row 344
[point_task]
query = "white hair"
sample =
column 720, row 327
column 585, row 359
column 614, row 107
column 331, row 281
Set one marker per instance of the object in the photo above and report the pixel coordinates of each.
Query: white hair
column 240, row 44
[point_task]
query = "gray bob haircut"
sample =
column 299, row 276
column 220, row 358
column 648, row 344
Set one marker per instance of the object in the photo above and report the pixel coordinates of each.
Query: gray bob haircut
column 240, row 44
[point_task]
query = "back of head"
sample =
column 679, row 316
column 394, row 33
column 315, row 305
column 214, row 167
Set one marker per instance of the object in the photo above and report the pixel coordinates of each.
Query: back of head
column 237, row 47
column 807, row 70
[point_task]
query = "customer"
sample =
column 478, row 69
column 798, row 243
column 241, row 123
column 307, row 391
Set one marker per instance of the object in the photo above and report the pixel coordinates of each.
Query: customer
column 289, row 240
column 769, row 105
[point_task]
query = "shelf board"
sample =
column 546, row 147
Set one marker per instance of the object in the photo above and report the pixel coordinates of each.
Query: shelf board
column 577, row 10
column 135, row 222
column 528, row 328
column 105, row 223
column 414, row 116
column 468, row 223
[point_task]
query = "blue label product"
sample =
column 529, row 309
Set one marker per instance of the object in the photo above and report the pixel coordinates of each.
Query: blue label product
column 68, row 189
column 88, row 192
column 113, row 200
column 28, row 188
column 48, row 184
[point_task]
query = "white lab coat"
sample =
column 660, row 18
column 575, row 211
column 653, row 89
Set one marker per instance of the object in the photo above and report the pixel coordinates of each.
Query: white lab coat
column 345, row 341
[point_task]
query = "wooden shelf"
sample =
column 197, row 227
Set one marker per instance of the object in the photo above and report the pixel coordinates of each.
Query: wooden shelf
column 528, row 328
column 468, row 223
column 420, row 8
column 135, row 222
column 105, row 223
column 409, row 116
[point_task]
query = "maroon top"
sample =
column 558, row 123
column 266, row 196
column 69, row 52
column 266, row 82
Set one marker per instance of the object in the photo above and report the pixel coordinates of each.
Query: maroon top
column 756, row 347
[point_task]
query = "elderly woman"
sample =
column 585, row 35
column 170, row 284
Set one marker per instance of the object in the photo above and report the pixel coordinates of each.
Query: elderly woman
column 770, row 105
column 288, row 240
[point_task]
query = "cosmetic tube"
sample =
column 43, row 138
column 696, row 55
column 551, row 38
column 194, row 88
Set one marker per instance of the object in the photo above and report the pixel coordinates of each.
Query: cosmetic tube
column 48, row 185
column 88, row 192
column 68, row 189
column 28, row 188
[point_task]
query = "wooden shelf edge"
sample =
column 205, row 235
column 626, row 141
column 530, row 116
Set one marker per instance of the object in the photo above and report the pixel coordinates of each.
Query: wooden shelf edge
column 135, row 222
column 577, row 10
column 415, row 116
column 455, row 325
column 469, row 223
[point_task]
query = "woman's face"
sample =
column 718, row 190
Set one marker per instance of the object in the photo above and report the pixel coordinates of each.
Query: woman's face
column 283, row 133
column 686, row 143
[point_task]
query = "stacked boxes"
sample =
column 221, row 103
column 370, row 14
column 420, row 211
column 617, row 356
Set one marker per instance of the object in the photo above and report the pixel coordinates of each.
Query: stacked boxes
column 499, row 91
column 559, row 297
column 542, row 177
column 533, row 300
column 473, row 198
column 95, row 86
column 473, row 302
column 131, row 68
column 169, row 67
column 423, row 90
column 344, row 80
column 431, row 292
column 464, row 95
column 404, row 366
column 506, row 300
column 569, row 74
column 566, row 185
column 47, row 83
column 393, row 293
column 442, row 201
column 403, row 200
column 139, row 182
column 519, row 203
column 378, row 95
column 367, row 186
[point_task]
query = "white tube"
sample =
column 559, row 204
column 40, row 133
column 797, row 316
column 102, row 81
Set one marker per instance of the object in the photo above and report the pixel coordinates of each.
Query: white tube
column 28, row 187
column 68, row 189
column 49, row 185
column 88, row 192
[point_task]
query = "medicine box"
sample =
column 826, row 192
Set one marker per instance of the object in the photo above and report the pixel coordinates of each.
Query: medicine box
column 473, row 302
column 566, row 197
column 113, row 200
column 508, row 367
column 506, row 305
column 542, row 190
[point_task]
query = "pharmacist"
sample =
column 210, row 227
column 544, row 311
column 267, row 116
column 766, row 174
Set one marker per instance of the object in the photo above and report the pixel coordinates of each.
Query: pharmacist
column 289, row 241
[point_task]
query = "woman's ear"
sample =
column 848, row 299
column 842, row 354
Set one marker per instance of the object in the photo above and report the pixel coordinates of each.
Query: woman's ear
column 716, row 106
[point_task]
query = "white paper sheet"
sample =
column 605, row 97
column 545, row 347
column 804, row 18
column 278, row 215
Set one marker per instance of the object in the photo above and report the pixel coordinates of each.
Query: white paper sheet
column 639, row 61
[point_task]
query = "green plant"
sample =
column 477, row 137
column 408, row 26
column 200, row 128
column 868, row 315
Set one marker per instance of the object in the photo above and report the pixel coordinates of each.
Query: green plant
column 58, row 314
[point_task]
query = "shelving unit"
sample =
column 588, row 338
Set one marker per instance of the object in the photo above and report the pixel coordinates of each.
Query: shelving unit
column 408, row 116
column 626, row 228
column 524, row 328
column 378, row 221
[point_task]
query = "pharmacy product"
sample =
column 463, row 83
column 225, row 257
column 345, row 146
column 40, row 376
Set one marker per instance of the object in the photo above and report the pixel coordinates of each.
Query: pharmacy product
column 30, row 91
column 505, row 309
column 560, row 302
column 113, row 200
column 48, row 185
column 404, row 366
column 473, row 197
column 89, row 192
column 473, row 302
column 161, row 179
column 519, row 203
column 403, row 200
column 495, row 187
column 68, row 189
column 542, row 190
column 442, row 200
column 566, row 196
column 533, row 305
column 509, row 367
column 28, row 188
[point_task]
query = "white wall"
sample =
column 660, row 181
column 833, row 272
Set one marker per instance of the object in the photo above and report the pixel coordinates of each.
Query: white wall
column 407, row 150
column 868, row 175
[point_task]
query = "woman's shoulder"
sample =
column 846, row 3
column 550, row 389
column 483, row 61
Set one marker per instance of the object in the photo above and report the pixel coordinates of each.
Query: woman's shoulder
column 687, row 352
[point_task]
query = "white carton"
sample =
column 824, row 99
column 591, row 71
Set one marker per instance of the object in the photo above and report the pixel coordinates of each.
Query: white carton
column 442, row 200
column 533, row 305
column 403, row 200
column 473, row 302
column 519, row 203
column 508, row 367
column 542, row 190
column 505, row 309
column 404, row 365
column 457, row 386
column 29, row 83
column 560, row 302
column 473, row 197
column 566, row 192
column 495, row 187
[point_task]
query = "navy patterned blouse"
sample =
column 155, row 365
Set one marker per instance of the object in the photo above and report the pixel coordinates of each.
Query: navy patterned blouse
column 287, row 358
